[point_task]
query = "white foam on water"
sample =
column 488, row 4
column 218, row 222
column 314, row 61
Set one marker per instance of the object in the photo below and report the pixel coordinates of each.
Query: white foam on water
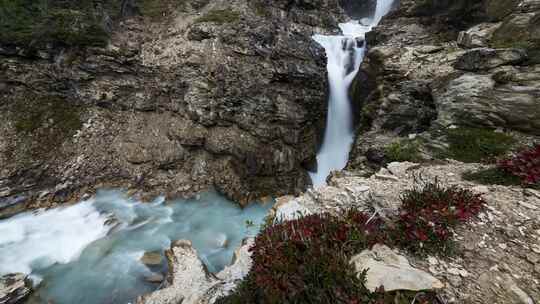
column 89, row 253
column 344, row 54
column 41, row 239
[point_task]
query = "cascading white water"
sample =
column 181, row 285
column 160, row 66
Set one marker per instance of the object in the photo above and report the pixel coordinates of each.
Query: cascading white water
column 89, row 253
column 344, row 59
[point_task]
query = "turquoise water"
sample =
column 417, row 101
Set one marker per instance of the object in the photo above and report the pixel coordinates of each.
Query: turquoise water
column 89, row 253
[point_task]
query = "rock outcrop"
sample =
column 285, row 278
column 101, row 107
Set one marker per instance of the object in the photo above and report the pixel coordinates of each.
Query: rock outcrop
column 497, row 254
column 435, row 64
column 391, row 270
column 230, row 94
column 14, row 288
column 189, row 282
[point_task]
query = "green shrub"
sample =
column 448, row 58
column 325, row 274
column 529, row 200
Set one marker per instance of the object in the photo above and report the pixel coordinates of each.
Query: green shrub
column 471, row 145
column 403, row 150
column 220, row 16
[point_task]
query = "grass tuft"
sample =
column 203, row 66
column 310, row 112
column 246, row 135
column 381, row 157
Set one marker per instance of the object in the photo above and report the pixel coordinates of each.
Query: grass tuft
column 472, row 145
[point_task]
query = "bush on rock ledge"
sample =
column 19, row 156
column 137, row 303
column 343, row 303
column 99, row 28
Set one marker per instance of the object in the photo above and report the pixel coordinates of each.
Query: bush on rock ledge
column 307, row 260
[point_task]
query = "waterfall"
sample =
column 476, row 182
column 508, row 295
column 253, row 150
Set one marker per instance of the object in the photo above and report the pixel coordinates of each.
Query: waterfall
column 344, row 54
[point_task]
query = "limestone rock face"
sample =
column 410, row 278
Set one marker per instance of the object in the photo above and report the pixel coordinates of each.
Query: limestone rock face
column 14, row 288
column 480, row 100
column 189, row 282
column 433, row 64
column 393, row 271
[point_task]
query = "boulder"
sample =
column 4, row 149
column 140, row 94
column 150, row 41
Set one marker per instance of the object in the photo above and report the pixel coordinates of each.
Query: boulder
column 14, row 288
column 478, row 35
column 189, row 281
column 152, row 258
column 484, row 101
column 485, row 59
column 391, row 270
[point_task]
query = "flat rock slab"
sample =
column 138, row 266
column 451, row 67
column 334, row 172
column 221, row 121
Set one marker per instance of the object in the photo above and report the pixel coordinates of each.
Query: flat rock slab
column 387, row 268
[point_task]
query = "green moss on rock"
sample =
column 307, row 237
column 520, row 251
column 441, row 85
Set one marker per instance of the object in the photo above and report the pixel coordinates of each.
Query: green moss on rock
column 34, row 23
column 155, row 9
column 471, row 145
column 45, row 121
column 403, row 150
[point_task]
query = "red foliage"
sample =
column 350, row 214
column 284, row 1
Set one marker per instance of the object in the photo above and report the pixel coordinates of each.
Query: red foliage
column 426, row 215
column 525, row 164
column 306, row 260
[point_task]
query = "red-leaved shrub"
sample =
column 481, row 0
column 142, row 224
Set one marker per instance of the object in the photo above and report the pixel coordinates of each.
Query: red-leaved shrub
column 307, row 261
column 524, row 164
column 426, row 216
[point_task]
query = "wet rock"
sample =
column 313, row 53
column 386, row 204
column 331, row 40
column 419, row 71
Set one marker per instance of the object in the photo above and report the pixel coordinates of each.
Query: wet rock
column 387, row 268
column 486, row 59
column 154, row 278
column 152, row 258
column 14, row 288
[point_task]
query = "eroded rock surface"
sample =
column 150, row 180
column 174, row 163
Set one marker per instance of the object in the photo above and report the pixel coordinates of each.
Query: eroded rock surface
column 189, row 282
column 230, row 94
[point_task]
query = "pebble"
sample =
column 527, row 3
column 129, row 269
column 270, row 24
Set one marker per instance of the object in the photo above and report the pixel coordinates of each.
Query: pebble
column 481, row 189
column 386, row 177
column 527, row 205
column 432, row 261
column 533, row 258
column 154, row 278
column 531, row 192
column 503, row 246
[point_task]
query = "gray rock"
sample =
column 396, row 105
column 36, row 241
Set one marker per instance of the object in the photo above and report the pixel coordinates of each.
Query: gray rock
column 478, row 36
column 477, row 100
column 189, row 281
column 485, row 59
column 152, row 258
column 14, row 288
column 387, row 268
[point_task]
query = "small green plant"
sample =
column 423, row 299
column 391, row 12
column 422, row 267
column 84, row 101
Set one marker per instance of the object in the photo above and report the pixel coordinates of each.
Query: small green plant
column 492, row 176
column 403, row 150
column 220, row 16
column 471, row 145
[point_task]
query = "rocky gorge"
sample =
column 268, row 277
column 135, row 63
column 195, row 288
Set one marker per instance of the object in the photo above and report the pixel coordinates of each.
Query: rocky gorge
column 232, row 95
column 180, row 97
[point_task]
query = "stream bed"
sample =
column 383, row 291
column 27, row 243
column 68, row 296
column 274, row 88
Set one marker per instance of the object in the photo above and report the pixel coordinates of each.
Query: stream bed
column 89, row 253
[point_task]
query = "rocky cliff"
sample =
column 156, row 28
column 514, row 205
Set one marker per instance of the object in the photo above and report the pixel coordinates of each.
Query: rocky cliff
column 439, row 64
column 161, row 96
